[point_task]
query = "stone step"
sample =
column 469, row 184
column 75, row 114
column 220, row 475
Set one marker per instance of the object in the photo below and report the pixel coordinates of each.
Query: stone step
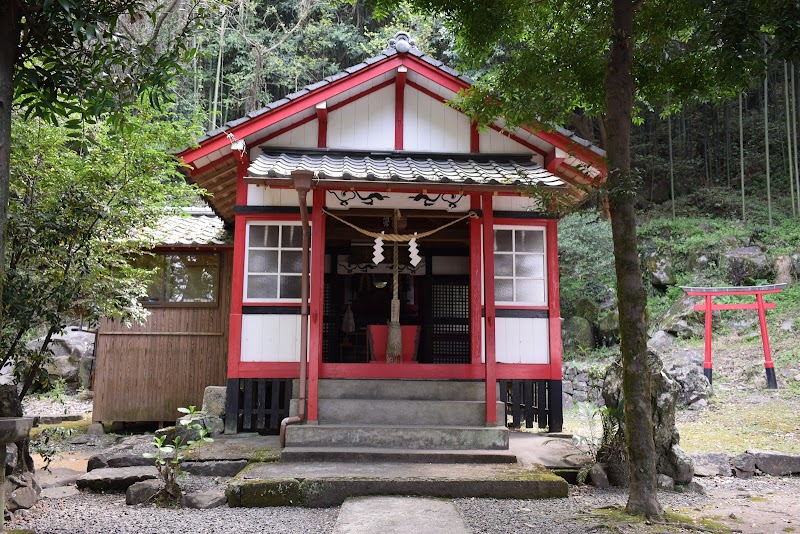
column 330, row 484
column 403, row 412
column 398, row 437
column 400, row 389
column 370, row 455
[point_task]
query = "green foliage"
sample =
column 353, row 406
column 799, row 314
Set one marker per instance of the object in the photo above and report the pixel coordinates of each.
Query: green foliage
column 170, row 454
column 586, row 259
column 80, row 210
column 594, row 443
column 82, row 59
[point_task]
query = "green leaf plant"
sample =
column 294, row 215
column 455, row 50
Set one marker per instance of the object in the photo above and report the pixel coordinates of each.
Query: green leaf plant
column 171, row 452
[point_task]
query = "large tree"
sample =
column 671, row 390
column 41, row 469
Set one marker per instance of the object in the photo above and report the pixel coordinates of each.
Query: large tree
column 545, row 60
column 80, row 59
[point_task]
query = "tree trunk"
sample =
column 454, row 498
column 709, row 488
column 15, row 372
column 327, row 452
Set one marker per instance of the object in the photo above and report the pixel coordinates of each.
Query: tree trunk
column 642, row 497
column 9, row 41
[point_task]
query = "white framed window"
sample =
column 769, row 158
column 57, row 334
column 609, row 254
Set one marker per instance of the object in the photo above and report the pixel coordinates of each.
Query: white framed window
column 273, row 263
column 520, row 267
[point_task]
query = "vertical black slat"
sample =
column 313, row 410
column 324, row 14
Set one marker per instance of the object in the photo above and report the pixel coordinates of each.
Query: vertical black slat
column 275, row 405
column 555, row 407
column 232, row 406
column 262, row 403
column 529, row 387
column 516, row 401
column 505, row 392
column 541, row 408
column 247, row 406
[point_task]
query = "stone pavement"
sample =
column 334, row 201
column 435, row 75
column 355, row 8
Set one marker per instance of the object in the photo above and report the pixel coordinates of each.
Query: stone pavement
column 399, row 515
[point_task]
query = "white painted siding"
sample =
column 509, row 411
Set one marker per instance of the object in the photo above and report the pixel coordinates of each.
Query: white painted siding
column 493, row 142
column 432, row 126
column 303, row 136
column 270, row 338
column 366, row 124
column 521, row 340
column 515, row 203
column 260, row 195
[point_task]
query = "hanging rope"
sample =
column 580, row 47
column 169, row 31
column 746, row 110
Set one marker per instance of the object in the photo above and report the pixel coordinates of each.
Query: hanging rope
column 400, row 238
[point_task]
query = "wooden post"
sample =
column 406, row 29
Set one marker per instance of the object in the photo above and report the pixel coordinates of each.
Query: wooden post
column 707, row 366
column 769, row 367
column 488, row 297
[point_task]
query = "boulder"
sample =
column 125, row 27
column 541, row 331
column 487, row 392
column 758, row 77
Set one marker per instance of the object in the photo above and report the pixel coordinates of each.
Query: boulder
column 218, row 468
column 608, row 327
column 142, row 492
column 578, row 335
column 598, row 477
column 682, row 320
column 204, row 500
column 120, row 479
column 215, row 425
column 587, row 308
column 214, row 401
column 694, row 385
column 671, row 460
column 659, row 270
column 665, row 483
column 660, row 342
column 746, row 263
column 744, row 465
column 69, row 349
column 776, row 463
column 22, row 492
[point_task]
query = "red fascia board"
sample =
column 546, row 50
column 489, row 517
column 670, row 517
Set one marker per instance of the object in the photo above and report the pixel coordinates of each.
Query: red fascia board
column 290, row 108
column 570, row 147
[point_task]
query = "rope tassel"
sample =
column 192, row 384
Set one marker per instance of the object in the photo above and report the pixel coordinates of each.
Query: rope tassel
column 394, row 338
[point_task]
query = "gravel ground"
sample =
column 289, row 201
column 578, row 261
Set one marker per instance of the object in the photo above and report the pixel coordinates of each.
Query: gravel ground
column 34, row 405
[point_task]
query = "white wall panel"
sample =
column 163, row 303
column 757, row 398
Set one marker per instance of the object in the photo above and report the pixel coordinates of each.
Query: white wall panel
column 270, row 338
column 366, row 124
column 432, row 126
column 493, row 142
column 515, row 203
column 260, row 195
column 303, row 136
column 521, row 340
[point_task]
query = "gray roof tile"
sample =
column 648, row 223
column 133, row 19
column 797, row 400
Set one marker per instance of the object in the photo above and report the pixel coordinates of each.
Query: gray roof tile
column 199, row 228
column 489, row 169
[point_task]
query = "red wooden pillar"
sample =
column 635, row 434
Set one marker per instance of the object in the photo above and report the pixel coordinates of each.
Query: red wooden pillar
column 769, row 367
column 488, row 300
column 237, row 283
column 707, row 365
column 475, row 282
column 553, row 301
column 316, row 305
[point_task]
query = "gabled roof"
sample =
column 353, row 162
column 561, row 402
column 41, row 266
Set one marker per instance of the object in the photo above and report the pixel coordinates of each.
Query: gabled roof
column 214, row 164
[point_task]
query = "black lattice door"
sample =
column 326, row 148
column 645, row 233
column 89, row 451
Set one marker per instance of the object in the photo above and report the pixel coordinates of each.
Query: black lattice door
column 446, row 328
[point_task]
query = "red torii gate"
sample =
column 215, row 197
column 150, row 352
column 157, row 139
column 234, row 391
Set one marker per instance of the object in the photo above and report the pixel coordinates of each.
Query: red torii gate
column 708, row 293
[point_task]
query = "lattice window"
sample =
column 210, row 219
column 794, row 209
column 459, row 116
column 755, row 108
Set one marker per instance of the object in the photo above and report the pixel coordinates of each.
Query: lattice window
column 519, row 265
column 273, row 263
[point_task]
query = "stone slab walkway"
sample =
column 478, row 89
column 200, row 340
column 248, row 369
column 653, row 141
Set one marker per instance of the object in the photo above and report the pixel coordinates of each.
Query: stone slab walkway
column 399, row 515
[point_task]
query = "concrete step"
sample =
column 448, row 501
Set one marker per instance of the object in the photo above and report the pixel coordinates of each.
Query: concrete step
column 401, row 389
column 398, row 437
column 330, row 484
column 403, row 412
column 370, row 455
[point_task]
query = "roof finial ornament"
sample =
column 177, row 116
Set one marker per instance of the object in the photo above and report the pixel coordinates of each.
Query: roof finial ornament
column 402, row 42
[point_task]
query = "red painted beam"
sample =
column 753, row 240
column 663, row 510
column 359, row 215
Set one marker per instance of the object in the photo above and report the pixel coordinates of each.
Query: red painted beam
column 242, row 165
column 474, row 138
column 490, row 375
column 749, row 306
column 237, row 290
column 399, row 106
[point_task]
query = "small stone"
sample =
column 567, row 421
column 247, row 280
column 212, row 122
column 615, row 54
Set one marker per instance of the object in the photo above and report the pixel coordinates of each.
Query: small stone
column 116, row 479
column 787, row 325
column 776, row 463
column 204, row 500
column 709, row 464
column 214, row 401
column 699, row 405
column 219, row 468
column 696, row 486
column 25, row 493
column 142, row 492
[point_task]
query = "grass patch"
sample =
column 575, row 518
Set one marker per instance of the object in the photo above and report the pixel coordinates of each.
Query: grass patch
column 77, row 427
